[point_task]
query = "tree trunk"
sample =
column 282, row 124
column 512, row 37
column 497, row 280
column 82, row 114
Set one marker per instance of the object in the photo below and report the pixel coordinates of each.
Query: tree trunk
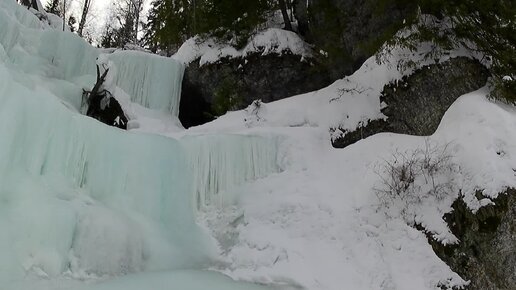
column 30, row 4
column 85, row 11
column 284, row 12
column 136, row 20
column 64, row 14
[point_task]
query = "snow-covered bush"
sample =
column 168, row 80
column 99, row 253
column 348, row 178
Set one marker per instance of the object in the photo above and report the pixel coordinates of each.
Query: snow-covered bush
column 413, row 177
column 254, row 113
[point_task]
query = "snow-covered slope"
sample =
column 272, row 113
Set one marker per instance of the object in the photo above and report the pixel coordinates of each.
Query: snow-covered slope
column 320, row 224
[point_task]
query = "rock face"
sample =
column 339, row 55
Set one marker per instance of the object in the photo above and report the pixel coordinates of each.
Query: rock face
column 232, row 84
column 350, row 31
column 107, row 110
column 486, row 254
column 417, row 103
column 347, row 32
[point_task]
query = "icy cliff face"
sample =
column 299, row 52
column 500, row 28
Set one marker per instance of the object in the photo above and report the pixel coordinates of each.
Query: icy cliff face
column 75, row 191
column 82, row 198
column 221, row 162
column 152, row 81
column 36, row 48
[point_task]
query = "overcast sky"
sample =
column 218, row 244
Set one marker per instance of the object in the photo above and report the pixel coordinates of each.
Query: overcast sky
column 99, row 12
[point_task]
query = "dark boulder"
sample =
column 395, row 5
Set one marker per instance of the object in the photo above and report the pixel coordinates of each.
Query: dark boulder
column 416, row 104
column 486, row 252
column 343, row 33
column 105, row 108
column 234, row 83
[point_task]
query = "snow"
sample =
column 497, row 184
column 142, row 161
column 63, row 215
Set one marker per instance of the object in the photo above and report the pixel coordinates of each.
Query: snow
column 319, row 223
column 258, row 195
column 269, row 41
column 173, row 280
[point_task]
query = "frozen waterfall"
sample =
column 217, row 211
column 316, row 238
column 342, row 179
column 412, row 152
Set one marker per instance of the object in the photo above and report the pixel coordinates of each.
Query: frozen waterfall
column 150, row 80
column 220, row 162
column 90, row 200
column 74, row 191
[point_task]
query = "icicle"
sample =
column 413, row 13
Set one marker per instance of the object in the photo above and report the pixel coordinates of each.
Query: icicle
column 221, row 162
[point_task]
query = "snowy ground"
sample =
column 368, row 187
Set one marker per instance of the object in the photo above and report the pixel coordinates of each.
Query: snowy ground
column 319, row 223
column 82, row 204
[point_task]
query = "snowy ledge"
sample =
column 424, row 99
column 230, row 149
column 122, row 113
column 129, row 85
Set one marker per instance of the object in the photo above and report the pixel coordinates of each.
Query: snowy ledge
column 270, row 41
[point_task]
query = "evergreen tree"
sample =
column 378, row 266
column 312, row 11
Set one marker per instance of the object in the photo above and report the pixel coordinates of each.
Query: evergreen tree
column 53, row 7
column 170, row 22
column 483, row 26
column 71, row 23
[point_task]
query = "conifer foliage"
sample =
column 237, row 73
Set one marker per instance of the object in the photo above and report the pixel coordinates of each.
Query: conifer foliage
column 170, row 22
column 483, row 26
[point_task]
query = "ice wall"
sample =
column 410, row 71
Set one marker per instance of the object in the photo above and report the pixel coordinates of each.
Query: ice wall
column 73, row 191
column 36, row 48
column 221, row 162
column 151, row 80
column 76, row 194
column 81, row 196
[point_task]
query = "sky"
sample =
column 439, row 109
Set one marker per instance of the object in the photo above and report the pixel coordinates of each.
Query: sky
column 99, row 13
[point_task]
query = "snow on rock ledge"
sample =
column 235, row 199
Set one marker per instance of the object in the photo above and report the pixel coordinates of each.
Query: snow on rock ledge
column 269, row 41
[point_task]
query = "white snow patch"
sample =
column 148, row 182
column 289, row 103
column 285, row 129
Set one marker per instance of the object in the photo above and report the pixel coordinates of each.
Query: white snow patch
column 272, row 40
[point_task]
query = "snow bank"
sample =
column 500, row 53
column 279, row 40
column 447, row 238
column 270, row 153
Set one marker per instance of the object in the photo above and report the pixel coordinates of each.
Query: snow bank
column 319, row 223
column 272, row 40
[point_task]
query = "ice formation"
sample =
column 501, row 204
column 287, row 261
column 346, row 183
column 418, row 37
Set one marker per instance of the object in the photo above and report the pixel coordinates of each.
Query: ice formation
column 69, row 173
column 221, row 162
column 80, row 197
column 35, row 47
column 152, row 81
